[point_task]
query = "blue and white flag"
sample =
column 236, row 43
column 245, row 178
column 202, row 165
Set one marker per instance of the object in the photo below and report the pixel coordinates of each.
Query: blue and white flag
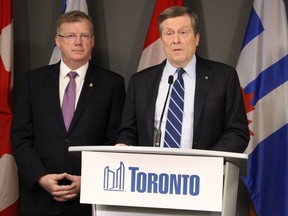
column 263, row 73
column 68, row 5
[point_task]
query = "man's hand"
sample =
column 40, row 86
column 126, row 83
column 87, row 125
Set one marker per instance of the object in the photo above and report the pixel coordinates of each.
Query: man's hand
column 61, row 193
column 120, row 144
column 70, row 193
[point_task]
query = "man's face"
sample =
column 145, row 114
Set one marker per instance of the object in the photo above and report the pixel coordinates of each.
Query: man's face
column 75, row 53
column 178, row 40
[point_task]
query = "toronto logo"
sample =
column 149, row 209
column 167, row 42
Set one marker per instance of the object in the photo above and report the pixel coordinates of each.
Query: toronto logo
column 114, row 179
column 150, row 182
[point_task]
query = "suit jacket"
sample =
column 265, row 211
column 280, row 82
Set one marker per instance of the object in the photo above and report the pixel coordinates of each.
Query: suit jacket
column 220, row 121
column 39, row 137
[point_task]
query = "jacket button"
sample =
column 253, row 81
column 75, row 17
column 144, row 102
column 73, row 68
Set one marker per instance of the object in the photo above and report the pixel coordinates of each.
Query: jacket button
column 67, row 140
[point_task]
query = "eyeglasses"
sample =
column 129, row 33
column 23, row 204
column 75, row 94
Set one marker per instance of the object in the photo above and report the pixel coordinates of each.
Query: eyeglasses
column 72, row 37
column 181, row 34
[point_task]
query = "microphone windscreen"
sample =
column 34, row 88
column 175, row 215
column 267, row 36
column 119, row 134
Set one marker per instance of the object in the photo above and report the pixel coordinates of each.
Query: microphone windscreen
column 170, row 79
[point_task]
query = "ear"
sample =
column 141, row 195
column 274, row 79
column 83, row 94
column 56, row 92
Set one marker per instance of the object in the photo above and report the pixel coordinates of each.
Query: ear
column 57, row 41
column 93, row 41
column 197, row 37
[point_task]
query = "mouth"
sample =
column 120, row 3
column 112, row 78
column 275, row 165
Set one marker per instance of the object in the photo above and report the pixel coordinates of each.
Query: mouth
column 77, row 50
column 177, row 50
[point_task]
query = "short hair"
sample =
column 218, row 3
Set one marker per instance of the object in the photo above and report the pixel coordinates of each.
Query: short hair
column 177, row 11
column 74, row 16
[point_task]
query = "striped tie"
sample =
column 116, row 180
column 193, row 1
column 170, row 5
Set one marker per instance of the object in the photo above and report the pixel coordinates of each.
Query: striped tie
column 175, row 113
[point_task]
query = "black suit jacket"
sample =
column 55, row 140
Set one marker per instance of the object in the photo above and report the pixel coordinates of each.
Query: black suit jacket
column 39, row 137
column 220, row 121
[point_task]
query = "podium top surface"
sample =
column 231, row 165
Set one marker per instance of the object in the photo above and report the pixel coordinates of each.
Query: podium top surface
column 238, row 159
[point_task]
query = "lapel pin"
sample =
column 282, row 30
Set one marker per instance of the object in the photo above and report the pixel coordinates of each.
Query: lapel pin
column 206, row 77
column 91, row 85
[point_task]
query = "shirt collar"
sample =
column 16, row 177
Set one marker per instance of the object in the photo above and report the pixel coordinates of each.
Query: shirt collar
column 64, row 70
column 190, row 68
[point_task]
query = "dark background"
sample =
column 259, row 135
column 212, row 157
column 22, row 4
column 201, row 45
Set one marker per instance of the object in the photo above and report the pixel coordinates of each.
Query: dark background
column 120, row 31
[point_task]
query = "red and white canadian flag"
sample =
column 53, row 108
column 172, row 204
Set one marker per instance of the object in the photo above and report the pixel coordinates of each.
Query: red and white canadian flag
column 9, row 194
column 153, row 53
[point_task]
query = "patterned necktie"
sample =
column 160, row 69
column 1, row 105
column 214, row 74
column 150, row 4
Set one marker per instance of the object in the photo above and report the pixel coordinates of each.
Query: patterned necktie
column 68, row 105
column 175, row 113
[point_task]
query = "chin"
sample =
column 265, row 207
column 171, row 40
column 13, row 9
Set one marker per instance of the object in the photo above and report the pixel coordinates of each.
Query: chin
column 179, row 62
column 78, row 58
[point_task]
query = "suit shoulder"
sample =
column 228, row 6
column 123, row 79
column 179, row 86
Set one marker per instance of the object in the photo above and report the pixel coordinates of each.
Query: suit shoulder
column 41, row 71
column 212, row 63
column 104, row 72
column 147, row 71
column 36, row 78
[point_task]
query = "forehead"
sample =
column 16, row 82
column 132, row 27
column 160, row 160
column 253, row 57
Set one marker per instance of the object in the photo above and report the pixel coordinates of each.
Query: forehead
column 177, row 22
column 79, row 25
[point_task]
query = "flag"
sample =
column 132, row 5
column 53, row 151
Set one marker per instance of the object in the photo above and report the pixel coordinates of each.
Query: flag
column 68, row 5
column 9, row 193
column 153, row 53
column 263, row 73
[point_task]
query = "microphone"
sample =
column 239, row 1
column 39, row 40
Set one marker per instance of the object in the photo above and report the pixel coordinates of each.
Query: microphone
column 158, row 132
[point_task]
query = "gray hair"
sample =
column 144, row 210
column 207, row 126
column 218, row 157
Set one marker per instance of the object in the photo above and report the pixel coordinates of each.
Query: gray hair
column 73, row 16
column 177, row 11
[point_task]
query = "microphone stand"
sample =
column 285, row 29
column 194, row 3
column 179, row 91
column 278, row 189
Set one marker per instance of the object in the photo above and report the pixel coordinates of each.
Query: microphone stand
column 158, row 132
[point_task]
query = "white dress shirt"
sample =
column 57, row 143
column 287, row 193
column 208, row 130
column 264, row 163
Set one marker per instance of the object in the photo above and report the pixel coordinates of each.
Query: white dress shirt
column 189, row 84
column 64, row 80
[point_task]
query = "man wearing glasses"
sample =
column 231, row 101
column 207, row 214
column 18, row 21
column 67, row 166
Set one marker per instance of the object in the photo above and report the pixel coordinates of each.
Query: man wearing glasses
column 70, row 103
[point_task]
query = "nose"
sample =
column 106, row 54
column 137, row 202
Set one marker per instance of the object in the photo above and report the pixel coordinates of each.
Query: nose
column 78, row 40
column 176, row 39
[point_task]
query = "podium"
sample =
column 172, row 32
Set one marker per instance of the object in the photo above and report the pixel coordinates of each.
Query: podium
column 142, row 181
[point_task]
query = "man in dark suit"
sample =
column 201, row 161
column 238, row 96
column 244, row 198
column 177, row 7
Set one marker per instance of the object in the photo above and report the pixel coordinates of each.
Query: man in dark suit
column 49, row 174
column 214, row 116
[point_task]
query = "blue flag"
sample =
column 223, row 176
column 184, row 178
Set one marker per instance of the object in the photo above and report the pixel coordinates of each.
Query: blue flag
column 263, row 73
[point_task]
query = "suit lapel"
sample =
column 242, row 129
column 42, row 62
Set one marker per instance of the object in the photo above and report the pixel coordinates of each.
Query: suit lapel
column 52, row 86
column 89, row 86
column 152, row 83
column 204, row 78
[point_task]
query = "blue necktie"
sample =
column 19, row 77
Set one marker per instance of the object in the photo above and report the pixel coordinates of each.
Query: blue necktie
column 68, row 105
column 175, row 113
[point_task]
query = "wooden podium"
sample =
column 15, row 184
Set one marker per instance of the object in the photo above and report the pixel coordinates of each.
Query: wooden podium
column 142, row 181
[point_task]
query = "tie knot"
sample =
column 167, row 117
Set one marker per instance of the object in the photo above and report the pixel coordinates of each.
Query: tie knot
column 180, row 72
column 72, row 74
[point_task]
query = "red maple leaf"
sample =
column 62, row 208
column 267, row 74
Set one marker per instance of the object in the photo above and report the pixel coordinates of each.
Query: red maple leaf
column 248, row 105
